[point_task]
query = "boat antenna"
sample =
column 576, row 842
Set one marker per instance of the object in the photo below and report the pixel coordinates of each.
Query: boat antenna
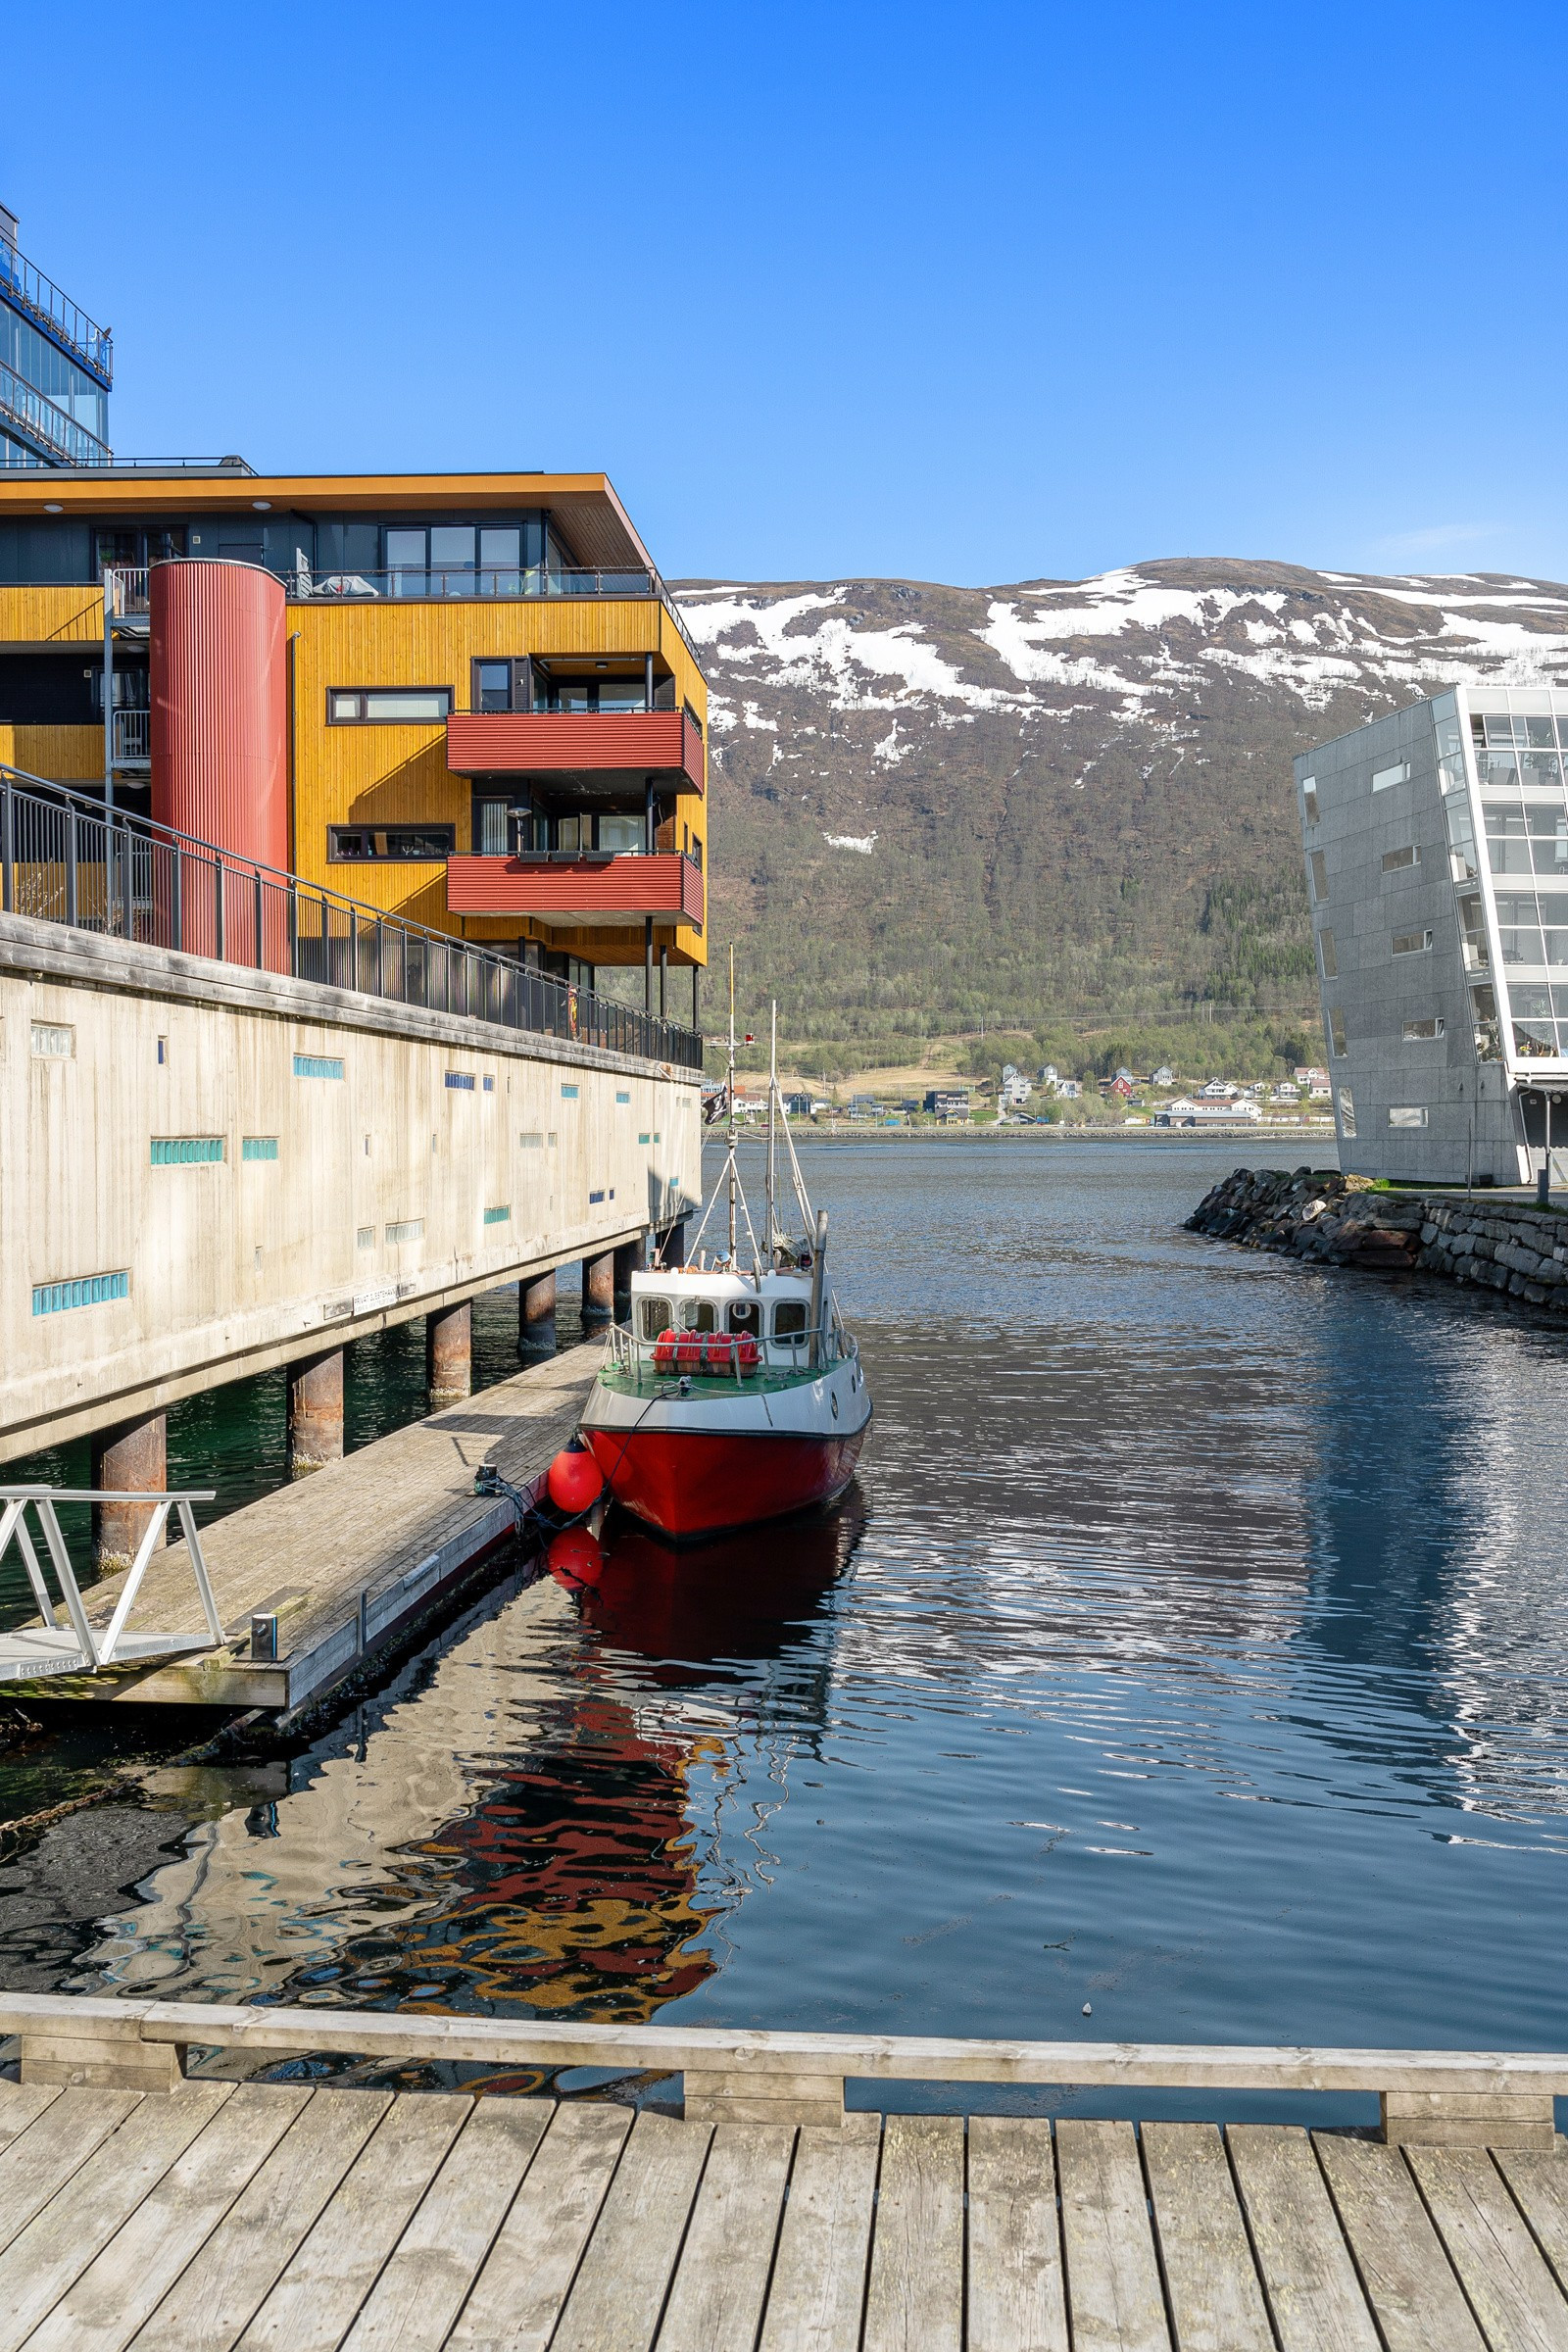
column 773, row 1110
column 733, row 1171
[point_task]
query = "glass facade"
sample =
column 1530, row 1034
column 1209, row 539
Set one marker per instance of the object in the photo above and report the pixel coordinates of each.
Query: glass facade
column 1520, row 762
column 55, row 369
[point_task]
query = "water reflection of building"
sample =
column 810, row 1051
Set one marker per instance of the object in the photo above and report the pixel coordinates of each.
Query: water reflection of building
column 516, row 1831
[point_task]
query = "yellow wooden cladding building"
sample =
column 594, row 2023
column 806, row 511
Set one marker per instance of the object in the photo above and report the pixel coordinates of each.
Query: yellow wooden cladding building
column 589, row 605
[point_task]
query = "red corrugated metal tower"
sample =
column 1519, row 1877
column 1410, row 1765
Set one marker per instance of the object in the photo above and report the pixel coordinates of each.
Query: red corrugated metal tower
column 219, row 707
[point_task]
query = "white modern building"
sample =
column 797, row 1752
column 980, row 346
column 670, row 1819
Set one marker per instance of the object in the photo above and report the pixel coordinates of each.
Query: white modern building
column 1436, row 859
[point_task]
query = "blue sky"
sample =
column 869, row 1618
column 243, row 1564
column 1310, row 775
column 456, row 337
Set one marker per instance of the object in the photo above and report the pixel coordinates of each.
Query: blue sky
column 963, row 294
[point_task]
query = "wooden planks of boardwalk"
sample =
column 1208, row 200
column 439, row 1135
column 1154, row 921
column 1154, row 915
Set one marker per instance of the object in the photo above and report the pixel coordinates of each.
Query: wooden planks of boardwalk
column 224, row 2218
column 356, row 1549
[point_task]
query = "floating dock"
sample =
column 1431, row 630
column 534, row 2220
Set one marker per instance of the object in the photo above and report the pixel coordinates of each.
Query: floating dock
column 142, row 2208
column 334, row 1566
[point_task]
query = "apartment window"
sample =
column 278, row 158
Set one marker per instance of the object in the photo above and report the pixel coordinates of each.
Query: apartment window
column 498, row 1216
column 622, row 1098
column 1329, row 954
column 364, row 1237
column 569, row 1093
column 1309, row 799
column 623, row 835
column 388, row 706
column 408, row 1229
column 1463, row 861
column 1487, row 1030
column 460, row 1079
column 56, row 1040
column 1347, row 1111
column 1417, row 1032
column 1411, row 943
column 257, row 1146
column 1320, row 876
column 1382, row 777
column 531, row 1140
column 1337, row 1031
column 318, row 1065
column 1395, row 860
column 420, row 845
column 1407, row 1114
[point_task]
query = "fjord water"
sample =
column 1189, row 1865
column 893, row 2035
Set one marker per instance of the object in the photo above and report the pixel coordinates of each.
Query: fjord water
column 1193, row 1647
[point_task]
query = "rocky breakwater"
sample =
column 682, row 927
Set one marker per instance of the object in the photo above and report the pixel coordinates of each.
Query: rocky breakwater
column 1315, row 1213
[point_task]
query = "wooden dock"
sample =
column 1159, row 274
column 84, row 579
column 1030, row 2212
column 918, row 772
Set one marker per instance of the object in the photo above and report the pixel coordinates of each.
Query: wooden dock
column 347, row 1556
column 300, row 2216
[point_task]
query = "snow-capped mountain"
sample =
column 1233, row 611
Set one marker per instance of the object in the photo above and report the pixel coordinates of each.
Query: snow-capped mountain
column 1059, row 795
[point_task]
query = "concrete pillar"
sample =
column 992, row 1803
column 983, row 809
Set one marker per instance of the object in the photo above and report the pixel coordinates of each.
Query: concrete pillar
column 315, row 1412
column 672, row 1243
column 599, row 1287
column 448, row 1355
column 536, row 1315
column 630, row 1259
column 134, row 1455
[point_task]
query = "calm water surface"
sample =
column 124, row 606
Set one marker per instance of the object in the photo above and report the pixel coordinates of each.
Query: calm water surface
column 1193, row 1645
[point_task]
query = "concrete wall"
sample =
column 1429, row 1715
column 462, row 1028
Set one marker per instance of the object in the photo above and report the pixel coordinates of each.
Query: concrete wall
column 232, row 1266
column 1471, row 1121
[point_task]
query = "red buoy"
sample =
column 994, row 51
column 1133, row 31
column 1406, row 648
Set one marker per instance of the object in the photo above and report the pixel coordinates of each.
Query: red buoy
column 573, row 1481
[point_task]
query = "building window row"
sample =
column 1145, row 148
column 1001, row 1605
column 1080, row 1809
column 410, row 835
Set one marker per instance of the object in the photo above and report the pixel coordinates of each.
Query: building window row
column 388, row 706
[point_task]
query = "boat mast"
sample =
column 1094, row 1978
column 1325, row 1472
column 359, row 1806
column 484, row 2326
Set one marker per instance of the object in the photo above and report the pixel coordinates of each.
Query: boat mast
column 731, row 1092
column 772, row 1108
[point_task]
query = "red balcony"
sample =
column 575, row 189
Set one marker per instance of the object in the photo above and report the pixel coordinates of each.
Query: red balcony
column 609, row 745
column 579, row 890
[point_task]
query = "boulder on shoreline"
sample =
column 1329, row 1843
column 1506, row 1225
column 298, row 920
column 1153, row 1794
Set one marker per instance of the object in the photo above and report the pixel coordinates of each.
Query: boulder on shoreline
column 1316, row 1213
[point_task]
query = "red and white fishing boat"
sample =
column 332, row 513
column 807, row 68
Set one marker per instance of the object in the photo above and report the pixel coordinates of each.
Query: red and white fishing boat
column 734, row 1393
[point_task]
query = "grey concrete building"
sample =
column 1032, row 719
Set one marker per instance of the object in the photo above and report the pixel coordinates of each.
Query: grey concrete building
column 1436, row 861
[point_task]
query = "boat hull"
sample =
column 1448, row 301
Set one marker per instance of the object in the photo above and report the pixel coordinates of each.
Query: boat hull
column 690, row 1483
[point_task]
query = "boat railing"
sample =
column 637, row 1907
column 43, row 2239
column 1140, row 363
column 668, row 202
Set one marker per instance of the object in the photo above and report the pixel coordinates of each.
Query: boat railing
column 721, row 1353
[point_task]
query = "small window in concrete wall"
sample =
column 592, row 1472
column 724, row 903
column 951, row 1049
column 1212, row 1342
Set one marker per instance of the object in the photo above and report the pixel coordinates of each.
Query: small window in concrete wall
column 550, row 1139
column 569, row 1093
column 408, row 1229
column 364, row 1237
column 1347, row 1111
column 185, row 1150
column 1337, row 1030
column 594, row 1200
column 463, row 1080
column 56, row 1040
column 318, row 1065
column 1411, row 943
column 531, row 1140
column 1396, row 860
column 87, row 1289
column 623, row 1097
column 257, row 1146
column 489, row 1086
column 1309, row 799
column 1382, row 777
column 498, row 1216
column 1329, row 954
column 1416, row 1031
column 1407, row 1114
column 641, row 1138
column 1320, row 876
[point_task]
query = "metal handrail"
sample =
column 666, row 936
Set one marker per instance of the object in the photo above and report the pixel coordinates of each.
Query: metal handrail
column 99, row 1647
column 30, row 412
column 75, row 864
column 630, row 1354
column 23, row 283
column 312, row 584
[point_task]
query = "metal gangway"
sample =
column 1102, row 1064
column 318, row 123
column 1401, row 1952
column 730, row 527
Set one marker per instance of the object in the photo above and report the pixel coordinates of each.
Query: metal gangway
column 78, row 1647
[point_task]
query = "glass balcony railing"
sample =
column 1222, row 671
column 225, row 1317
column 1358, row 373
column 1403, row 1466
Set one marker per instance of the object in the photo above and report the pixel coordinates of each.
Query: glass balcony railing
column 305, row 585
column 27, row 289
column 55, row 435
